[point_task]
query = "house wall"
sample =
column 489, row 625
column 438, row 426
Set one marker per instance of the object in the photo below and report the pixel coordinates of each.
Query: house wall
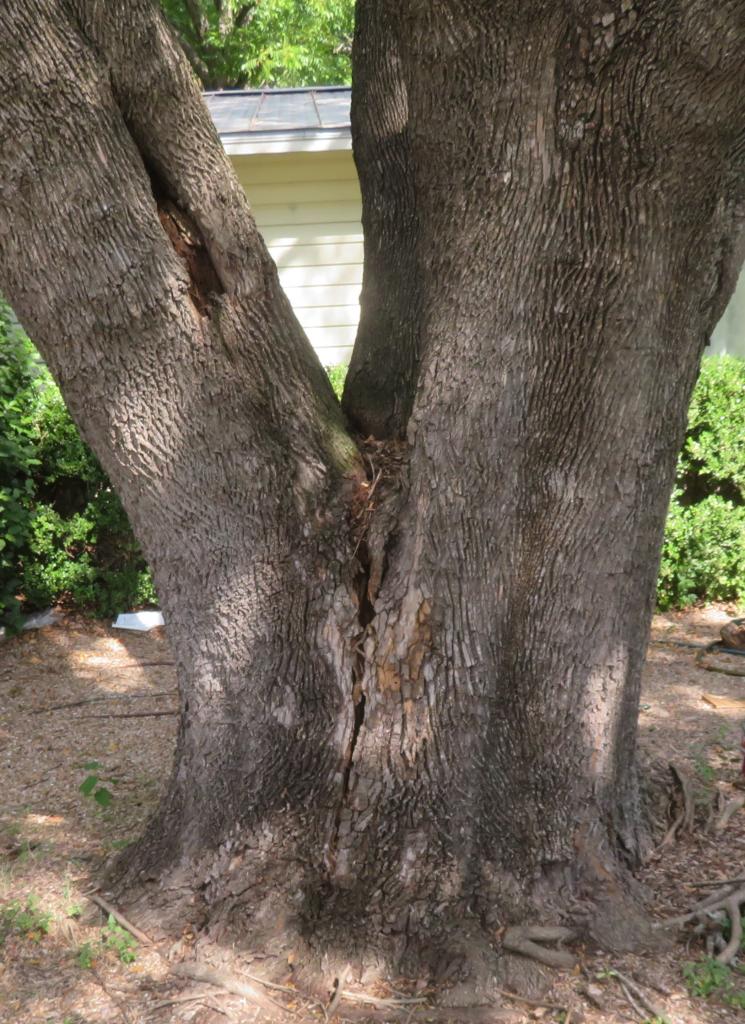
column 308, row 208
column 729, row 335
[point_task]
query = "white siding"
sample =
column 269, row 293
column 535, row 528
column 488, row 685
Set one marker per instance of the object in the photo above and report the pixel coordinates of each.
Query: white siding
column 307, row 206
column 729, row 335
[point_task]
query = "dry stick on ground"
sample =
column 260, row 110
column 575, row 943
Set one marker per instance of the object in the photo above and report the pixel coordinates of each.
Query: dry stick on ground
column 145, row 940
column 98, row 700
column 134, row 714
column 190, row 997
column 361, row 997
column 639, row 1010
column 716, row 882
column 707, row 906
column 638, row 992
column 541, row 1003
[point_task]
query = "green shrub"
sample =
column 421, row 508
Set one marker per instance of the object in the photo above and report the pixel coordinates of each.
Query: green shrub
column 713, row 457
column 703, row 555
column 64, row 536
column 20, row 370
column 337, row 376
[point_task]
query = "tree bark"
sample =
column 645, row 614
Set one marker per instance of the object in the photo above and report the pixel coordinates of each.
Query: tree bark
column 382, row 375
column 409, row 701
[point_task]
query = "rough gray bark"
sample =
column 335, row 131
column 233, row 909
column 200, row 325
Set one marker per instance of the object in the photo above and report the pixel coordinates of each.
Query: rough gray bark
column 409, row 702
column 383, row 370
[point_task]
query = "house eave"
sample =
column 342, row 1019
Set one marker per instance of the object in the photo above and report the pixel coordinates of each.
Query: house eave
column 295, row 141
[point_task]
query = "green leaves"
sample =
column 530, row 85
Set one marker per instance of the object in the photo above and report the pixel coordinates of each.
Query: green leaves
column 709, row 979
column 703, row 555
column 21, row 376
column 239, row 43
column 64, row 535
column 91, row 785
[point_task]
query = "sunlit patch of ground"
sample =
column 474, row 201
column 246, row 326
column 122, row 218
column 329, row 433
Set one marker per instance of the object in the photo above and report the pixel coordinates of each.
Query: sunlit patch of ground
column 60, row 964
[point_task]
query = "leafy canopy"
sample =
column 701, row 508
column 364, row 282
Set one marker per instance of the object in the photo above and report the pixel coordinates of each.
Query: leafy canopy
column 239, row 43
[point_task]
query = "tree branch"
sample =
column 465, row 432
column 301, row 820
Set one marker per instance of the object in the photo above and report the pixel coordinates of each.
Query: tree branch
column 245, row 15
column 198, row 18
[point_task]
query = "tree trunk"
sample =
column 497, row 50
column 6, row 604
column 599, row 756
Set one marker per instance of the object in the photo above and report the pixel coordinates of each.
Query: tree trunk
column 409, row 700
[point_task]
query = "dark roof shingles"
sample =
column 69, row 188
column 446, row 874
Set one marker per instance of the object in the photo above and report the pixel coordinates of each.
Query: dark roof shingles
column 271, row 110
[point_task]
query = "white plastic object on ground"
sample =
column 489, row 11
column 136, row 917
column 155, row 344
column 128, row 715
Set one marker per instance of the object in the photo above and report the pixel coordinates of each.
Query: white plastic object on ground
column 142, row 621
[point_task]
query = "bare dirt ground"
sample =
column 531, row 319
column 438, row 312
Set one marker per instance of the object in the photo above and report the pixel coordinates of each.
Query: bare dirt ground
column 60, row 963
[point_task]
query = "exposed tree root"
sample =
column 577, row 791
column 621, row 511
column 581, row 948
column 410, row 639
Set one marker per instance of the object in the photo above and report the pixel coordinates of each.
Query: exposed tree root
column 712, row 915
column 730, row 808
column 223, row 979
column 530, row 941
column 684, row 819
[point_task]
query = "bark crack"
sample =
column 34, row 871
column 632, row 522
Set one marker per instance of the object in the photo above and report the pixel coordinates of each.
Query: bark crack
column 373, row 519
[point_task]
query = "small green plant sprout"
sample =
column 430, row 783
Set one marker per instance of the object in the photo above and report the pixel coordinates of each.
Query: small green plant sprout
column 24, row 919
column 91, row 785
column 114, row 939
column 72, row 907
column 86, row 956
column 120, row 941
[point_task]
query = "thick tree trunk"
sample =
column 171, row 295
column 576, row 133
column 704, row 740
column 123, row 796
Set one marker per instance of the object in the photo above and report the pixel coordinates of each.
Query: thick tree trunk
column 408, row 702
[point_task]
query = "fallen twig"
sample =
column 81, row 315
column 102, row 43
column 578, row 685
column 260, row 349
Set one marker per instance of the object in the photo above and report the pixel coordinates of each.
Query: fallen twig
column 135, row 714
column 636, row 1007
column 98, row 700
column 652, row 1010
column 189, row 997
column 716, row 882
column 361, row 997
column 271, row 984
column 530, row 1002
column 145, row 940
